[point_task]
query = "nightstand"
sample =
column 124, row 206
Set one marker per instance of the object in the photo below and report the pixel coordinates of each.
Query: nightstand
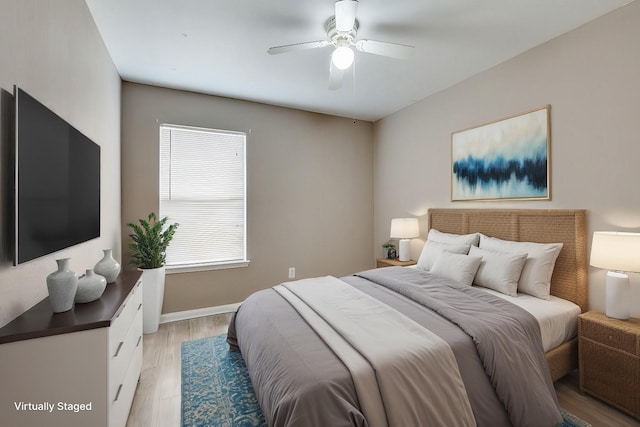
column 609, row 357
column 386, row 262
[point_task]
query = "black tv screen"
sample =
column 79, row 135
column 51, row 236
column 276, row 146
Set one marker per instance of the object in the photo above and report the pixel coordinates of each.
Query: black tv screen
column 57, row 182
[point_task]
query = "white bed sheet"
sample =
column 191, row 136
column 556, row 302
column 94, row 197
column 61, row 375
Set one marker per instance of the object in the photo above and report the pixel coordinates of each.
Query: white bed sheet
column 557, row 317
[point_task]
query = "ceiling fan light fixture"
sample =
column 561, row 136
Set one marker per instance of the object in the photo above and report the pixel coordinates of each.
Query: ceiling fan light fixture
column 342, row 57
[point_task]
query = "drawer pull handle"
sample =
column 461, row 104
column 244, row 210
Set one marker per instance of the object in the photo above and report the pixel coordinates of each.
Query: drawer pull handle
column 120, row 310
column 118, row 393
column 139, row 339
column 118, row 349
column 140, row 306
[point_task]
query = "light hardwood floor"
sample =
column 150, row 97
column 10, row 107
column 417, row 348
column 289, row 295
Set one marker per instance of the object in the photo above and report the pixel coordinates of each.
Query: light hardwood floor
column 157, row 399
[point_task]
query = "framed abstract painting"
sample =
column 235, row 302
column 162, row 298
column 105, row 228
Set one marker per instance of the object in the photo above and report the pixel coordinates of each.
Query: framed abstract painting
column 504, row 160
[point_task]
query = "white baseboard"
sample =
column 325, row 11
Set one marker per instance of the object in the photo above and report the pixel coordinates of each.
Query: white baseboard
column 198, row 312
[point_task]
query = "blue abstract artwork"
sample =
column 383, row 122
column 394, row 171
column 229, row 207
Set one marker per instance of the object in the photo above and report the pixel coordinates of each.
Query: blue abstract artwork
column 507, row 159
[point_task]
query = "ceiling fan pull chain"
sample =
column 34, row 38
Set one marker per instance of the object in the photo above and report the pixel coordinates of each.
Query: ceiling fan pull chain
column 353, row 93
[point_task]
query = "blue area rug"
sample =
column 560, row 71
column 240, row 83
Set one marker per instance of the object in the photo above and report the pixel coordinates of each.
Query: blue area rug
column 571, row 420
column 217, row 391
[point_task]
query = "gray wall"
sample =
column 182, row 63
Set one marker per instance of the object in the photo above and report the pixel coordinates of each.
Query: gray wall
column 53, row 51
column 309, row 181
column 589, row 76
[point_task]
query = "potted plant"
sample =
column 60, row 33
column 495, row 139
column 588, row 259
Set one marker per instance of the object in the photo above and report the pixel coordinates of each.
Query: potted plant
column 389, row 250
column 149, row 241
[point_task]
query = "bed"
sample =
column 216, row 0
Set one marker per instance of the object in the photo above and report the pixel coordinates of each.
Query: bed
column 302, row 376
column 569, row 280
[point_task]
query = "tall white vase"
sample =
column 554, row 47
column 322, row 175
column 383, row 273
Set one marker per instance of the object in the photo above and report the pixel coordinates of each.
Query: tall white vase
column 62, row 285
column 152, row 297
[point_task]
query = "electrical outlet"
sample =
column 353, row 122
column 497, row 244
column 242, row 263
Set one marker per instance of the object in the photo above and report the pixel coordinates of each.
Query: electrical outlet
column 292, row 272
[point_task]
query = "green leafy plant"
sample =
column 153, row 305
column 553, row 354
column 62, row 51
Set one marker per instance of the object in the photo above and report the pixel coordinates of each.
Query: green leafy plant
column 389, row 250
column 149, row 241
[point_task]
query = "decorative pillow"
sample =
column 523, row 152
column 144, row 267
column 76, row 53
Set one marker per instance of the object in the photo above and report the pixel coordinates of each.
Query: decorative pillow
column 541, row 258
column 459, row 239
column 499, row 271
column 457, row 267
column 432, row 250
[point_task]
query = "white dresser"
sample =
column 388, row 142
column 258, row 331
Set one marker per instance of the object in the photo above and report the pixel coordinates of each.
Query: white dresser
column 78, row 368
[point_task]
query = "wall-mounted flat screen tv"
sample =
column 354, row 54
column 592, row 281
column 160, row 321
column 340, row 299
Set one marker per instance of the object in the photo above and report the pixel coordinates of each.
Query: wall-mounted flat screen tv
column 57, row 182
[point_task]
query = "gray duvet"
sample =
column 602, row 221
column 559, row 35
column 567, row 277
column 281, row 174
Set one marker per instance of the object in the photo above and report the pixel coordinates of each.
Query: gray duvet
column 299, row 381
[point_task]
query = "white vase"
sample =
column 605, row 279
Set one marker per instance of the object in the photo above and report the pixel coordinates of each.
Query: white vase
column 62, row 285
column 90, row 287
column 152, row 297
column 107, row 267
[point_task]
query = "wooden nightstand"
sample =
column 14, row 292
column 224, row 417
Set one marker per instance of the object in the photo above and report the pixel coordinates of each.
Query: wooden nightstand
column 609, row 356
column 386, row 262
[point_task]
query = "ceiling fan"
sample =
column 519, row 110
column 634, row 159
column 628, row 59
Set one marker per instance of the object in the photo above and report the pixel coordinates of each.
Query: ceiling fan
column 341, row 32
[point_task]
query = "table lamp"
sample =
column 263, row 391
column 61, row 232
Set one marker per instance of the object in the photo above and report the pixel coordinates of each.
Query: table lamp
column 619, row 253
column 404, row 229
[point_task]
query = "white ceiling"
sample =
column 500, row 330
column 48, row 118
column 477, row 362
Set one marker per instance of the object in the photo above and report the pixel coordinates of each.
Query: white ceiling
column 219, row 47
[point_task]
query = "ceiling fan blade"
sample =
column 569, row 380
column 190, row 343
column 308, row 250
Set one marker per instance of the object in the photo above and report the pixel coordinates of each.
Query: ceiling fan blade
column 346, row 14
column 392, row 50
column 297, row 46
column 335, row 77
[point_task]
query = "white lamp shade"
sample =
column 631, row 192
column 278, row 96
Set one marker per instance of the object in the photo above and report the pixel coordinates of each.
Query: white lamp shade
column 404, row 228
column 616, row 251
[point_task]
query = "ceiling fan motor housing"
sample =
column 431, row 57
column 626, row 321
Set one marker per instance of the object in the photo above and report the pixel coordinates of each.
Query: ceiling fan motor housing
column 334, row 35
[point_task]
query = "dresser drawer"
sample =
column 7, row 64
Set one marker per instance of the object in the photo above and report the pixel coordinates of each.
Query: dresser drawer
column 125, row 357
column 119, row 408
column 613, row 337
column 611, row 375
column 123, row 318
column 119, row 362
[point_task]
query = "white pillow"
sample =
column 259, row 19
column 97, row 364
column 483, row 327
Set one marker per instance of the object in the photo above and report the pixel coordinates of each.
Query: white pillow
column 457, row 267
column 499, row 271
column 541, row 258
column 460, row 239
column 432, row 250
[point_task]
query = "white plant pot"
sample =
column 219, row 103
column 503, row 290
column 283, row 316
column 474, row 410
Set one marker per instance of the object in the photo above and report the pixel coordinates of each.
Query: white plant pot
column 152, row 297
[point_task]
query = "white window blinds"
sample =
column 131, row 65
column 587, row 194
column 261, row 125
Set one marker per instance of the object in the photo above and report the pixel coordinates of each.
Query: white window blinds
column 203, row 188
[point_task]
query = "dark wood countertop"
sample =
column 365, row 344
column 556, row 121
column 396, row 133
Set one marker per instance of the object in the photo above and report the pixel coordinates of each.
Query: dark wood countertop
column 41, row 321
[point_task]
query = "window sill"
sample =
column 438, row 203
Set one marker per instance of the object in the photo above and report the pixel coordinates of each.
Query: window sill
column 191, row 268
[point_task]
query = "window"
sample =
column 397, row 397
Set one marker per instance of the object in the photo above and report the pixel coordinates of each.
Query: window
column 203, row 188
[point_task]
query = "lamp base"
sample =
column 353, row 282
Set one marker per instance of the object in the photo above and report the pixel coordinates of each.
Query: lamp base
column 617, row 295
column 404, row 250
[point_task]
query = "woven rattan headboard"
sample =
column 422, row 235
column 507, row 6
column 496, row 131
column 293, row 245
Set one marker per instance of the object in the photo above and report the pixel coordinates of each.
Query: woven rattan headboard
column 569, row 280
